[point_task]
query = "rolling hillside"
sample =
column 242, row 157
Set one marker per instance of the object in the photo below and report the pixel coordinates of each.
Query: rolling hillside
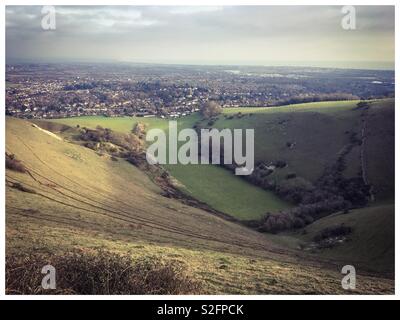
column 71, row 197
column 308, row 138
column 371, row 242
column 239, row 198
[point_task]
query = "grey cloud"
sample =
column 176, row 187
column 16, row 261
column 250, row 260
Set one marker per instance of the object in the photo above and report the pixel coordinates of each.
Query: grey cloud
column 185, row 33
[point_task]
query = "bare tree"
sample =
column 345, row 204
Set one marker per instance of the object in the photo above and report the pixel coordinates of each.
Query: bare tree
column 211, row 109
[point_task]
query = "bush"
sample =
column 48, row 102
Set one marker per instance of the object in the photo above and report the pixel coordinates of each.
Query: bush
column 300, row 216
column 139, row 130
column 128, row 141
column 280, row 164
column 294, row 189
column 332, row 232
column 20, row 187
column 211, row 109
column 98, row 273
column 14, row 164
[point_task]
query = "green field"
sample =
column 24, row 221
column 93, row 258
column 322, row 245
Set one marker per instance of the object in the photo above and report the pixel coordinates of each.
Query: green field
column 222, row 190
column 211, row 184
column 122, row 124
column 319, row 130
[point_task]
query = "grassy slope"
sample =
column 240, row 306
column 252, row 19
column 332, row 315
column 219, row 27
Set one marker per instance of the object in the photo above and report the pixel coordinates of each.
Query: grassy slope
column 319, row 132
column 371, row 242
column 90, row 202
column 380, row 149
column 317, row 129
column 204, row 182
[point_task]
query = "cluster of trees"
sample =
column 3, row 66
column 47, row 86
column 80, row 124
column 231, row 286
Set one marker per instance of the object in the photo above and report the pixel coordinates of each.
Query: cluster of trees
column 210, row 109
column 81, row 86
column 331, row 193
column 353, row 190
column 301, row 215
column 117, row 144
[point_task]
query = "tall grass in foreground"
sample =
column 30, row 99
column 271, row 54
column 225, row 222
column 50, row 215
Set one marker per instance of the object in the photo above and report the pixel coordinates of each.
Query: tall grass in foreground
column 98, row 273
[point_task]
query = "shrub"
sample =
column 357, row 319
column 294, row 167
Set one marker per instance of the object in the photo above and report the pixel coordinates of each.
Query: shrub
column 139, row 130
column 136, row 159
column 331, row 232
column 14, row 164
column 98, row 273
column 211, row 109
column 129, row 141
column 294, row 189
column 20, row 187
column 280, row 164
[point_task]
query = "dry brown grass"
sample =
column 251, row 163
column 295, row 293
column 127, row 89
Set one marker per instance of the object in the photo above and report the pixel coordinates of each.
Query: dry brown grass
column 98, row 273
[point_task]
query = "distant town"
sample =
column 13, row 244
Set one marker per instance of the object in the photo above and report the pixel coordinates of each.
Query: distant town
column 171, row 91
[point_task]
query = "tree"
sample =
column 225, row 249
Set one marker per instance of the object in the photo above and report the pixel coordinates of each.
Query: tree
column 211, row 109
column 139, row 129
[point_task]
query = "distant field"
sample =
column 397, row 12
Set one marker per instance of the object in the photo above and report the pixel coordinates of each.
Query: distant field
column 122, row 124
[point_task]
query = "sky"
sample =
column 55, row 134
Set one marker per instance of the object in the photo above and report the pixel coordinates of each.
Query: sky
column 236, row 35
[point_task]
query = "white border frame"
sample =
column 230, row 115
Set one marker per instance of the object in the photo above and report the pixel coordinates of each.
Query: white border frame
column 194, row 297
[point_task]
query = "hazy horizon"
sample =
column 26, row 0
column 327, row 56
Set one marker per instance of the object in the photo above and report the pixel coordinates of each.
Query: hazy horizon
column 302, row 36
column 356, row 65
